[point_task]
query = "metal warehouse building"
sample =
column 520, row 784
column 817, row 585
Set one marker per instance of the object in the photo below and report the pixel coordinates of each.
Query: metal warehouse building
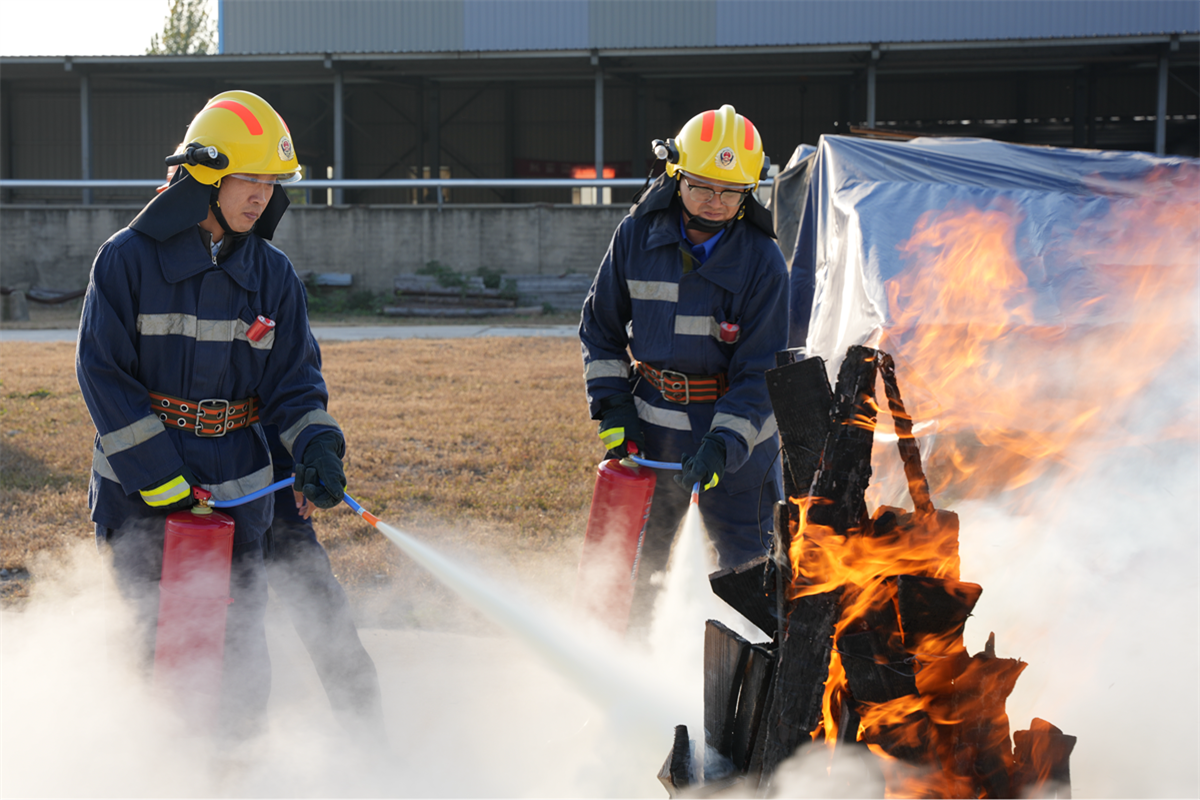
column 555, row 88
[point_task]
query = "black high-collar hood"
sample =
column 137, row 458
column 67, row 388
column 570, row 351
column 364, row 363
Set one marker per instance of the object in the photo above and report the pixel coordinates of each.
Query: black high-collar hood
column 184, row 203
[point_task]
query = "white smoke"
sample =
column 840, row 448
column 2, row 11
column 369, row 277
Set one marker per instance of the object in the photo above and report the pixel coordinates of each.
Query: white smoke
column 557, row 710
column 1096, row 589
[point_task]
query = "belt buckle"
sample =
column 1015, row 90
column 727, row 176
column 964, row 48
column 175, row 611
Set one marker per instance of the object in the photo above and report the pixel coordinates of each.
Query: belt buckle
column 679, row 383
column 222, row 425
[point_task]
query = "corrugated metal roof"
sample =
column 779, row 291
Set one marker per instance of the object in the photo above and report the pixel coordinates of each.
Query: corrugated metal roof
column 652, row 23
column 770, row 22
column 398, row 26
column 342, row 26
column 525, row 25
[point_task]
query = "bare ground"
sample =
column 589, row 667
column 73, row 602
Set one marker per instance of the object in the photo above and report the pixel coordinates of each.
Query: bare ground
column 481, row 447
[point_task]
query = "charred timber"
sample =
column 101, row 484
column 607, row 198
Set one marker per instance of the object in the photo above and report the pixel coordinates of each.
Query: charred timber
column 676, row 772
column 910, row 454
column 749, row 589
column 845, row 471
column 801, row 399
column 725, row 657
column 1041, row 757
column 801, row 669
column 910, row 688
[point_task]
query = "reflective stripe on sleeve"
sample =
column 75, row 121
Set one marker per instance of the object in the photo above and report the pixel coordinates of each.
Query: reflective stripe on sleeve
column 240, row 487
column 610, row 368
column 170, row 492
column 316, row 417
column 132, row 435
column 662, row 417
column 101, row 467
column 654, row 290
column 769, row 429
column 202, row 330
column 697, row 326
column 743, row 427
column 612, row 437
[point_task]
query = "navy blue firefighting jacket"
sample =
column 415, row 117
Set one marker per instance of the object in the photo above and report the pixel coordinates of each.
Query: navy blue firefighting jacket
column 162, row 316
column 643, row 304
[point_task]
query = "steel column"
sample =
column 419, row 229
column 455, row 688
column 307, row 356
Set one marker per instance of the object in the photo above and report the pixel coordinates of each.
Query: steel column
column 599, row 125
column 433, row 96
column 641, row 142
column 85, row 133
column 1160, row 114
column 339, row 134
column 871, row 86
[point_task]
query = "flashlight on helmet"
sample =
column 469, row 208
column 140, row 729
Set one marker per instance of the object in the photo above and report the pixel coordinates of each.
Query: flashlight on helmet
column 667, row 151
column 195, row 154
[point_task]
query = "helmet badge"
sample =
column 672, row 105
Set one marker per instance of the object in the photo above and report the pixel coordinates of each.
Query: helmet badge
column 726, row 158
column 285, row 149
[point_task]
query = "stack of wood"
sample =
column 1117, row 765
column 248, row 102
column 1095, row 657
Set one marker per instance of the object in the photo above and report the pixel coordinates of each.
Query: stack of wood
column 426, row 296
column 871, row 655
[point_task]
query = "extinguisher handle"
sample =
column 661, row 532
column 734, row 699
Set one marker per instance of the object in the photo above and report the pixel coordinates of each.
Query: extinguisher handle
column 645, row 462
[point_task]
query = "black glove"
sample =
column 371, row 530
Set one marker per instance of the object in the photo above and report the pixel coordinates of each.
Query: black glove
column 319, row 473
column 171, row 494
column 619, row 425
column 706, row 467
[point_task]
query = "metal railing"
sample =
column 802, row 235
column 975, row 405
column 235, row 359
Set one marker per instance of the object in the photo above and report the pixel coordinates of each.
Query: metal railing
column 354, row 183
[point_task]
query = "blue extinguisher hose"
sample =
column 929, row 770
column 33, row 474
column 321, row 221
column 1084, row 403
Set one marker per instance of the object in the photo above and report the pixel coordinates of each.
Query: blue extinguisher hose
column 358, row 509
column 274, row 487
column 645, row 462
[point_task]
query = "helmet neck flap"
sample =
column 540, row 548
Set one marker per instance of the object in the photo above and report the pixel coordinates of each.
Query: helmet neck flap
column 186, row 202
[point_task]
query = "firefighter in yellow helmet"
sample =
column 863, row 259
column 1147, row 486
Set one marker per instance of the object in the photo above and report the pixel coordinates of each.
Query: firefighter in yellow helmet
column 687, row 312
column 195, row 333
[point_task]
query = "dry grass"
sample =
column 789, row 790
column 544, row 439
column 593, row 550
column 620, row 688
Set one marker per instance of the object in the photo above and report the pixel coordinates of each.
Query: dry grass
column 480, row 446
column 66, row 315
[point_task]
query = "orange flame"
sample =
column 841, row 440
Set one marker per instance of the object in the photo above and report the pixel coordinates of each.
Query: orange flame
column 1021, row 371
column 1019, row 378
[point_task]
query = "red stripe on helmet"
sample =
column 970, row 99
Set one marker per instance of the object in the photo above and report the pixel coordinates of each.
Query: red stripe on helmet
column 252, row 123
column 749, row 135
column 706, row 125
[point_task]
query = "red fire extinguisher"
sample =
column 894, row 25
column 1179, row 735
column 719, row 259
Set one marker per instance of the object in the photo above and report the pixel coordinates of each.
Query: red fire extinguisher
column 613, row 542
column 193, row 598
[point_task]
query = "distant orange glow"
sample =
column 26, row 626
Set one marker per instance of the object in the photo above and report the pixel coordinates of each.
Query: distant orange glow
column 590, row 172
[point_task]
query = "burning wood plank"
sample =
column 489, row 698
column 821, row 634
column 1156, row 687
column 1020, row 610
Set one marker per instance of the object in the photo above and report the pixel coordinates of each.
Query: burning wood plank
column 867, row 614
column 1041, row 758
column 725, row 655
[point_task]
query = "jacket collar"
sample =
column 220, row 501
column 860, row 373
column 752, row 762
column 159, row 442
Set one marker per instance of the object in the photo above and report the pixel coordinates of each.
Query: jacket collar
column 725, row 267
column 186, row 255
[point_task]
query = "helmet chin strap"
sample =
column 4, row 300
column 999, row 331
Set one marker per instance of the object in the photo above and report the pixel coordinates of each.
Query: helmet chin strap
column 705, row 225
column 215, row 205
column 696, row 222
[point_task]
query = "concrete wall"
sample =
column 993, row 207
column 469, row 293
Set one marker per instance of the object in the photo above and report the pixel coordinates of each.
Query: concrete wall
column 53, row 246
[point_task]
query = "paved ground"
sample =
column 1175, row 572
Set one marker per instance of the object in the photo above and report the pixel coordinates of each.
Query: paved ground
column 352, row 333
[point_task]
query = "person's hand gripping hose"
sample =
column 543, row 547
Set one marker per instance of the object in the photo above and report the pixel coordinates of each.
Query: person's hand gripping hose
column 319, row 473
column 707, row 467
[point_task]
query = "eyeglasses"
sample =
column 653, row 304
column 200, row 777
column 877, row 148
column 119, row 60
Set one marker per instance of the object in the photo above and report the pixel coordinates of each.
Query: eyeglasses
column 729, row 197
column 287, row 177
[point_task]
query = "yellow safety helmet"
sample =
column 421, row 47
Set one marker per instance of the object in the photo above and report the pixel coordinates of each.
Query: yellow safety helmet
column 250, row 137
column 721, row 145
